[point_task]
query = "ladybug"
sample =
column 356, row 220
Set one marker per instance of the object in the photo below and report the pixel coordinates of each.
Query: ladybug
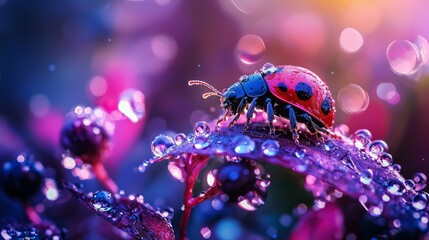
column 290, row 92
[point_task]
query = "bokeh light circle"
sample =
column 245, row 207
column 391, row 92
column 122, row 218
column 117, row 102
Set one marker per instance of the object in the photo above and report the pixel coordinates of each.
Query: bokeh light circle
column 350, row 40
column 98, row 86
column 353, row 99
column 403, row 57
column 250, row 49
column 388, row 93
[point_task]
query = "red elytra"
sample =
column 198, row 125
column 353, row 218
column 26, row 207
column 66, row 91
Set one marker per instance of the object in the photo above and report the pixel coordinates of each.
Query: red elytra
column 291, row 76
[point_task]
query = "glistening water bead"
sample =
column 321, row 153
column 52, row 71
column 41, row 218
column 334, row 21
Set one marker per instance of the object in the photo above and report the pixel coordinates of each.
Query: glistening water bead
column 361, row 138
column 180, row 139
column 420, row 181
column 376, row 147
column 201, row 129
column 420, row 201
column 161, row 144
column 243, row 144
column 366, row 176
column 201, row 142
column 268, row 68
column 102, row 201
column 270, row 147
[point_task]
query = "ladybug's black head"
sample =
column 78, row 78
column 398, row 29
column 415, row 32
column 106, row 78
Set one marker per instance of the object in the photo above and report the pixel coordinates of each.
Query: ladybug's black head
column 231, row 97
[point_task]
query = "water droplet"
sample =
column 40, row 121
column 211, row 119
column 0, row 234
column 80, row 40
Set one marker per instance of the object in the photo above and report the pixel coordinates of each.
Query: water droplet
column 409, row 184
column 268, row 68
column 201, row 129
column 396, row 167
column 176, row 171
column 102, row 201
column 243, row 144
column 403, row 57
column 329, row 145
column 300, row 153
column 420, row 181
column 201, row 142
column 366, row 176
column 395, row 187
column 270, row 147
column 420, row 201
column 361, row 138
column 386, row 159
column 180, row 139
column 348, row 161
column 161, row 144
column 377, row 147
column 250, row 49
column 132, row 105
column 206, row 232
column 251, row 202
column 353, row 99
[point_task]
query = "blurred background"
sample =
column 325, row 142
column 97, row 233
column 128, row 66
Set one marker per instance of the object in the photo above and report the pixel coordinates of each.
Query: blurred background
column 55, row 55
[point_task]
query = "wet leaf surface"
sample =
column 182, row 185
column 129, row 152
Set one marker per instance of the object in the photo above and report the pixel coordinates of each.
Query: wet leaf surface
column 341, row 163
column 128, row 213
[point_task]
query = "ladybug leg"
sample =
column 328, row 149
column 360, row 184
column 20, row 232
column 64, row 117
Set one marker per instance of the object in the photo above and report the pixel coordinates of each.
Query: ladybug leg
column 270, row 113
column 249, row 113
column 293, row 125
column 306, row 119
column 240, row 109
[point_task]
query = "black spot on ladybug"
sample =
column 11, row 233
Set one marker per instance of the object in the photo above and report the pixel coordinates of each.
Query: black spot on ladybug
column 326, row 105
column 303, row 91
column 282, row 87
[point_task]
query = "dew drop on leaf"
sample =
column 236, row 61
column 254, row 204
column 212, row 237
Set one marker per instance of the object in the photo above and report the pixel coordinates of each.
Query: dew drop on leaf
column 395, row 187
column 270, row 147
column 201, row 142
column 300, row 153
column 243, row 144
column 180, row 139
column 161, row 144
column 366, row 176
column 102, row 201
column 201, row 129
column 361, row 138
column 386, row 159
column 420, row 181
column 420, row 201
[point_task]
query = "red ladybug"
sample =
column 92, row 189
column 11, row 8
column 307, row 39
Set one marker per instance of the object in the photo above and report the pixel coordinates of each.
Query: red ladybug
column 290, row 92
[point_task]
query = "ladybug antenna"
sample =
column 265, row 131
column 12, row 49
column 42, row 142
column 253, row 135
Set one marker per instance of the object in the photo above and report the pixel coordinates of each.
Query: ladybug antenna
column 209, row 94
column 202, row 83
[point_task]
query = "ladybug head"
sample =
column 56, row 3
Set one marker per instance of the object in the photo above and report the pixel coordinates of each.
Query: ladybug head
column 230, row 97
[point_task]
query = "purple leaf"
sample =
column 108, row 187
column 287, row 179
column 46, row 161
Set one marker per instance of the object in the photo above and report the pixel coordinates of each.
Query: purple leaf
column 128, row 213
column 351, row 165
